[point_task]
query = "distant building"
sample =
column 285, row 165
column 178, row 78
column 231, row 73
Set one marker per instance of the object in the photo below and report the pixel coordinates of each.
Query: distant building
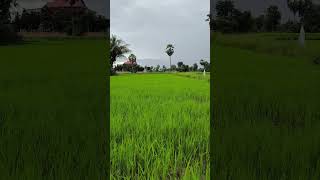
column 59, row 14
column 70, row 6
column 65, row 5
column 129, row 63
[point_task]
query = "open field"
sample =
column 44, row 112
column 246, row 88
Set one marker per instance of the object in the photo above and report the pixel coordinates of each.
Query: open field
column 272, row 43
column 159, row 127
column 266, row 104
column 53, row 110
column 196, row 75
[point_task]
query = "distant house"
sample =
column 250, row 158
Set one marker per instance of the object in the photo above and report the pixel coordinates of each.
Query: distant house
column 63, row 16
column 129, row 63
column 69, row 6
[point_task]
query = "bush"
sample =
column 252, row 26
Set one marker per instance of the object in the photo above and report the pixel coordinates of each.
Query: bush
column 225, row 25
column 291, row 27
column 8, row 34
column 316, row 61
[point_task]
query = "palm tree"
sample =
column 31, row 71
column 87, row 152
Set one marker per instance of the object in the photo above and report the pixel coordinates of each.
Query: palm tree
column 301, row 7
column 170, row 51
column 117, row 49
column 133, row 59
column 294, row 7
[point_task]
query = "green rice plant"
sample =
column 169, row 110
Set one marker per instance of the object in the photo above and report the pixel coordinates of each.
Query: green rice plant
column 53, row 110
column 285, row 44
column 159, row 127
column 266, row 112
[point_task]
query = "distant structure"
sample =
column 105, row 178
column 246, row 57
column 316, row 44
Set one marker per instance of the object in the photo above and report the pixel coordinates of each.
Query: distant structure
column 69, row 6
column 63, row 15
column 129, row 63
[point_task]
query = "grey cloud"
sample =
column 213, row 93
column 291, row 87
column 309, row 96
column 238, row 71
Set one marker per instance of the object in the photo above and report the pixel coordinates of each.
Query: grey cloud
column 148, row 26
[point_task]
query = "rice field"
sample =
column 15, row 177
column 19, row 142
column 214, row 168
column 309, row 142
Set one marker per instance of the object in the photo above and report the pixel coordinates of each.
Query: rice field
column 53, row 118
column 159, row 127
column 266, row 109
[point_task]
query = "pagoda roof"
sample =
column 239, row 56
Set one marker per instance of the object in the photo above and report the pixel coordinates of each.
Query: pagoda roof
column 66, row 4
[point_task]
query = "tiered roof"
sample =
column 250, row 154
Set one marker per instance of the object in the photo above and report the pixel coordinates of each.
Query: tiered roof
column 66, row 4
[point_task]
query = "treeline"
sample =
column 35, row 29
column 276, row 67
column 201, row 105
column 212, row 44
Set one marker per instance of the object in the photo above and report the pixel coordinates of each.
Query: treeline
column 45, row 21
column 60, row 21
column 180, row 67
column 228, row 19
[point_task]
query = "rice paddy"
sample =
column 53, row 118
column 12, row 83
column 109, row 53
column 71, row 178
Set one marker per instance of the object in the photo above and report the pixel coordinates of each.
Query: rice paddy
column 53, row 120
column 266, row 108
column 159, row 127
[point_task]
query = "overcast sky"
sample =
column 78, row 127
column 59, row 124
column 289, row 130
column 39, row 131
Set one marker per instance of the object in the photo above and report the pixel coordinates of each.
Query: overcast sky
column 100, row 6
column 149, row 25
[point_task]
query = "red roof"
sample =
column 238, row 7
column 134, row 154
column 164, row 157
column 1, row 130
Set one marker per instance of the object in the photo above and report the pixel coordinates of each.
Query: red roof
column 129, row 63
column 66, row 3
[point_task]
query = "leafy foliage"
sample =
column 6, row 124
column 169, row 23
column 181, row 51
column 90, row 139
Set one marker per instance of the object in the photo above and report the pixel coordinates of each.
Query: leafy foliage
column 118, row 48
column 7, row 31
column 229, row 19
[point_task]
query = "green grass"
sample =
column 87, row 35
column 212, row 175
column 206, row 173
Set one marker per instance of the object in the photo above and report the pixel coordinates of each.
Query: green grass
column 159, row 127
column 196, row 75
column 266, row 110
column 53, row 110
column 272, row 43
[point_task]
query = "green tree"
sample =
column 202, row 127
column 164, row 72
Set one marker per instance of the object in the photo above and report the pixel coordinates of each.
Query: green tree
column 173, row 68
column 170, row 51
column 224, row 8
column 5, row 6
column 157, row 68
column 304, row 6
column 195, row 67
column 205, row 64
column 133, row 60
column 273, row 18
column 293, row 5
column 164, row 68
column 7, row 31
column 259, row 23
column 118, row 48
column 180, row 64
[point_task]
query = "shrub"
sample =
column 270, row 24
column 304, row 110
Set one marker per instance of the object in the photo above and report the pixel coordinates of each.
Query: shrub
column 316, row 61
column 8, row 34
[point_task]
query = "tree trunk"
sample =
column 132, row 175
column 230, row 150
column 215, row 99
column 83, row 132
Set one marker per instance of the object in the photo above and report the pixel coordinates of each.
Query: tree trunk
column 170, row 64
column 302, row 36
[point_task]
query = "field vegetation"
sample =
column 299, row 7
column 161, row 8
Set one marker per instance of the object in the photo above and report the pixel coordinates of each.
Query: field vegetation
column 266, row 107
column 53, row 110
column 160, row 126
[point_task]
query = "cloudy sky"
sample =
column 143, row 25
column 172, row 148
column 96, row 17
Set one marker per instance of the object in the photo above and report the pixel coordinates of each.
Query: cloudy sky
column 100, row 6
column 149, row 25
